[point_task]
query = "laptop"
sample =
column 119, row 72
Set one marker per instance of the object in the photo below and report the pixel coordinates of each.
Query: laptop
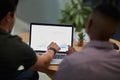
column 42, row 34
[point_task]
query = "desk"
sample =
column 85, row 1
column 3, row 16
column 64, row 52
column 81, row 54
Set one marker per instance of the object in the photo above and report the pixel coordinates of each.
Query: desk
column 52, row 68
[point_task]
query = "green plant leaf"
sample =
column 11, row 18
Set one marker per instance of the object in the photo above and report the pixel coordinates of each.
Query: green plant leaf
column 81, row 20
column 73, row 2
column 80, row 4
column 81, row 35
column 75, row 13
column 77, row 20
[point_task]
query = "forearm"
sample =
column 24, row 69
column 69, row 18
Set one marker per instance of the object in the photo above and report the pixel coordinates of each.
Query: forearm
column 43, row 61
column 47, row 57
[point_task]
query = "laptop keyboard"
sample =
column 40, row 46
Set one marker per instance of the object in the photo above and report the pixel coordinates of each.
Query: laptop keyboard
column 59, row 56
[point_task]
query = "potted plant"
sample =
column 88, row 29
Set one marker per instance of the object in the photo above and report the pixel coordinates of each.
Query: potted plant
column 75, row 13
column 81, row 39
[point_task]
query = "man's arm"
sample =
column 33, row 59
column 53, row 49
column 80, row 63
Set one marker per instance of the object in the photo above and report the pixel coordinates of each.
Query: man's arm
column 44, row 60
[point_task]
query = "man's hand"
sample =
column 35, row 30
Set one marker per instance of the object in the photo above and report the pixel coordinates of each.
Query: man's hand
column 70, row 50
column 54, row 45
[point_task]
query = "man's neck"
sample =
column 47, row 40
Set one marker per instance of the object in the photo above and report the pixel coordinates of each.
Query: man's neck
column 4, row 28
column 99, row 39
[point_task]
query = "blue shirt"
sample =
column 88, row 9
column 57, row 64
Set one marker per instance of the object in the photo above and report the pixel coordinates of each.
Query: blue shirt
column 97, row 61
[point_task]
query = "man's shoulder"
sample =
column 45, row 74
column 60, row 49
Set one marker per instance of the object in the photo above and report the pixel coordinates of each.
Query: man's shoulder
column 75, row 58
column 7, row 37
column 84, row 56
column 13, row 41
column 14, row 37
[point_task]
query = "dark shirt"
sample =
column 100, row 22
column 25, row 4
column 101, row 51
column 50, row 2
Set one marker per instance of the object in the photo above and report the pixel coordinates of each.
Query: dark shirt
column 97, row 61
column 13, row 53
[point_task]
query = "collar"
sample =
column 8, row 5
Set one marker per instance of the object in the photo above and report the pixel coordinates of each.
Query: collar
column 3, row 32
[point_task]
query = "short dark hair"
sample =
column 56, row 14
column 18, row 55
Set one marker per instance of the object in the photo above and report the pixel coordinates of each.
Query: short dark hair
column 7, row 6
column 109, row 10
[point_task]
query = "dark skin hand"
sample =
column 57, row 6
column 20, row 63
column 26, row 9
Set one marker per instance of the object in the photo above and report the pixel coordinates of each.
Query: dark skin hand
column 71, row 50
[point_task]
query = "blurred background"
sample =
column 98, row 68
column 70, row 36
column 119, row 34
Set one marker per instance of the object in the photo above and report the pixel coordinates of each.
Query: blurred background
column 49, row 11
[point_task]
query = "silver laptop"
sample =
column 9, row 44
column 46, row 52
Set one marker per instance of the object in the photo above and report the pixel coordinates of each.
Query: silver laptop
column 42, row 34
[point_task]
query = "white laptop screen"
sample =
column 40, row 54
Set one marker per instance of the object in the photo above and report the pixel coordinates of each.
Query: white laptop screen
column 43, row 34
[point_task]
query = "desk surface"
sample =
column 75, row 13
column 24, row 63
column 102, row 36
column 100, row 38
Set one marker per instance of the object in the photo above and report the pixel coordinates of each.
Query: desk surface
column 25, row 37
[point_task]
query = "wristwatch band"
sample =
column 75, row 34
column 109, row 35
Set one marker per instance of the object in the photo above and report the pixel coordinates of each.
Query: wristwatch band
column 55, row 51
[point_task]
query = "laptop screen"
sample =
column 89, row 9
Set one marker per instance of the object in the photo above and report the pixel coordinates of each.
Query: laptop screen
column 41, row 35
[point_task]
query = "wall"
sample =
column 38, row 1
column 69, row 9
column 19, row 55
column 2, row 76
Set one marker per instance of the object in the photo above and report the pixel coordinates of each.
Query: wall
column 37, row 11
column 45, row 11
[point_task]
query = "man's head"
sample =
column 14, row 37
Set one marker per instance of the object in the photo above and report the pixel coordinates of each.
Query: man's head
column 7, row 13
column 103, row 22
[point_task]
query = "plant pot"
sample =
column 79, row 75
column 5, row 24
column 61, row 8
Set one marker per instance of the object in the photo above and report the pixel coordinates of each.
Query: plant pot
column 80, row 42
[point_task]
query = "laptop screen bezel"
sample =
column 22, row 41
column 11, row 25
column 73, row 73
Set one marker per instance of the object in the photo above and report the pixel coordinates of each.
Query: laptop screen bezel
column 61, row 25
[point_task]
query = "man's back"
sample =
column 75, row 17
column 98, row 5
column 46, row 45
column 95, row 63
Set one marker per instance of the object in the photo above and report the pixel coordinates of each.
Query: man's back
column 97, row 61
column 13, row 53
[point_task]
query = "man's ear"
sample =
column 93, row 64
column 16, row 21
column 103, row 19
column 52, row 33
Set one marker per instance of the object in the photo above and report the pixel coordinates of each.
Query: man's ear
column 90, row 22
column 89, row 25
column 9, row 16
